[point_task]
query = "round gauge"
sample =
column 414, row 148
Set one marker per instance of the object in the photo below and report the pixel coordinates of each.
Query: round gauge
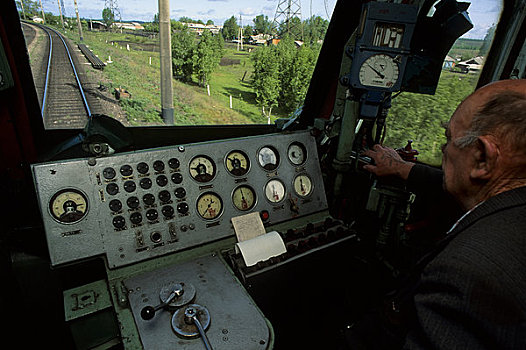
column 202, row 169
column 237, row 163
column 275, row 191
column 268, row 158
column 297, row 153
column 209, row 205
column 68, row 206
column 379, row 70
column 302, row 185
column 244, row 198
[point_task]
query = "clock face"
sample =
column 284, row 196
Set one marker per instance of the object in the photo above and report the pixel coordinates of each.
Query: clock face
column 379, row 71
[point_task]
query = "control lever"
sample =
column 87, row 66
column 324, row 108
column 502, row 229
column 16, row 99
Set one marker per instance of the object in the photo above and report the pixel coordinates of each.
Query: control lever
column 148, row 312
column 187, row 319
column 190, row 316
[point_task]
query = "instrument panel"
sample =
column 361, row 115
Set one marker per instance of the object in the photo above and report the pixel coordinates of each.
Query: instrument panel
column 138, row 205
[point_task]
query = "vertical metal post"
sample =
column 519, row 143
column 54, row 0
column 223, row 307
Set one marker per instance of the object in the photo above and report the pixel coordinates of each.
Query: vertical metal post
column 42, row 9
column 23, row 10
column 78, row 21
column 166, row 62
column 60, row 10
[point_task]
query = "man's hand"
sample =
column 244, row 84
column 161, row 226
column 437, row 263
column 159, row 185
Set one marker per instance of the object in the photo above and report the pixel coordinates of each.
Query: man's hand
column 387, row 162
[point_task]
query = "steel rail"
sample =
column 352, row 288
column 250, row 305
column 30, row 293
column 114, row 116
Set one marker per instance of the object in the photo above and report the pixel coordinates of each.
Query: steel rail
column 47, row 74
column 84, row 100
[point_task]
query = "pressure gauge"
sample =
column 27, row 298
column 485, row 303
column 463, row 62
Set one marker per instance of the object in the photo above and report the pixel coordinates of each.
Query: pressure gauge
column 302, row 185
column 297, row 153
column 209, row 206
column 268, row 158
column 275, row 191
column 379, row 70
column 202, row 169
column 244, row 198
column 237, row 163
column 68, row 206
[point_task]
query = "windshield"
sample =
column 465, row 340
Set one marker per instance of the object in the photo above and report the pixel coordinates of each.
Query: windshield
column 217, row 48
column 233, row 62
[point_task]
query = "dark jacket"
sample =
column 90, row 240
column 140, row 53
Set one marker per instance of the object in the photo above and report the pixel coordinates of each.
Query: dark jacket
column 472, row 294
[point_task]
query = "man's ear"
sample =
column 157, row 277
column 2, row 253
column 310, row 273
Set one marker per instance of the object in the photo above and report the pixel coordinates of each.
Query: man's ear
column 485, row 154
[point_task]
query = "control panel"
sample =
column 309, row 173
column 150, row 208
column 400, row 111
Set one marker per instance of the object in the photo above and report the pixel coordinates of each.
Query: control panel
column 138, row 205
column 195, row 305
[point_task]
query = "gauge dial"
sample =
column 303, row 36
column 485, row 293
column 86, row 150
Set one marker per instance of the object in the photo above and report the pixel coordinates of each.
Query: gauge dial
column 237, row 163
column 302, row 185
column 297, row 153
column 379, row 71
column 244, row 198
column 275, row 191
column 209, row 205
column 68, row 206
column 268, row 158
column 202, row 169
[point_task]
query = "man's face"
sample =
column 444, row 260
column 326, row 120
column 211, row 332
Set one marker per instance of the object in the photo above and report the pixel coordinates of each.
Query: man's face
column 455, row 160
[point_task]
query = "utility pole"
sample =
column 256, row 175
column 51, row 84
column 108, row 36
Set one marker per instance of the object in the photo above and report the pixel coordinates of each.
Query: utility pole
column 240, row 34
column 23, row 11
column 42, row 9
column 60, row 10
column 78, row 21
column 165, row 39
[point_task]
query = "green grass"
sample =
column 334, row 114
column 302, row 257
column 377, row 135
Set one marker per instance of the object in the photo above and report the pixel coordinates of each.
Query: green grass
column 192, row 105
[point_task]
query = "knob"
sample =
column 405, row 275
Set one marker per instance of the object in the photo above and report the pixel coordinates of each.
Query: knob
column 148, row 312
column 182, row 208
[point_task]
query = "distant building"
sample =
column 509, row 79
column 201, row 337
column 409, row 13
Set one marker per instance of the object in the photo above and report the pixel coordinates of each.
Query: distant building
column 97, row 25
column 200, row 28
column 472, row 65
column 260, row 39
column 128, row 26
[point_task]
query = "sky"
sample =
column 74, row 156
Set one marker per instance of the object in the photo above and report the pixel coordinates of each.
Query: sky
column 483, row 13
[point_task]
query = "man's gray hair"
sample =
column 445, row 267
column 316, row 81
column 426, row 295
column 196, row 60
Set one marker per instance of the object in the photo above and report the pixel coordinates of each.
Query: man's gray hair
column 504, row 116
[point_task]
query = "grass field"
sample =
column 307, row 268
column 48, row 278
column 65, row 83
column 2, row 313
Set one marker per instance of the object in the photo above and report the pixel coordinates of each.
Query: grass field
column 131, row 70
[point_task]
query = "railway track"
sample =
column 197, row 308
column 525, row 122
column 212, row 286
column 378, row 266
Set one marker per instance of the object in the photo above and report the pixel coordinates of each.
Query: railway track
column 64, row 103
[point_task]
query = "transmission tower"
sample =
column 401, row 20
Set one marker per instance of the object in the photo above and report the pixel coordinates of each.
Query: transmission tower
column 285, row 12
column 62, row 8
column 114, row 8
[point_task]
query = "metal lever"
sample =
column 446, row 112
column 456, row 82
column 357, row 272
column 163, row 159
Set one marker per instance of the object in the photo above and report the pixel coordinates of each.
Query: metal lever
column 148, row 312
column 190, row 316
column 186, row 320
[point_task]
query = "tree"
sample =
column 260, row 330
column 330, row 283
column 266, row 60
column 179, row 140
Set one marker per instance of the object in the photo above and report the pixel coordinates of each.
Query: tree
column 154, row 25
column 262, row 25
column 266, row 78
column 421, row 117
column 292, row 28
column 488, row 39
column 183, row 51
column 31, row 8
column 296, row 77
column 248, row 31
column 314, row 29
column 108, row 17
column 207, row 57
column 209, row 22
column 230, row 28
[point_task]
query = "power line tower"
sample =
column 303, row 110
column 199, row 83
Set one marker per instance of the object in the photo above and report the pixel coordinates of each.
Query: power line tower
column 114, row 8
column 283, row 19
column 62, row 8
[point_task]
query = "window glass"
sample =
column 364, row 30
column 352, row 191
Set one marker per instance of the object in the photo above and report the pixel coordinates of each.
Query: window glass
column 421, row 118
column 227, row 68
